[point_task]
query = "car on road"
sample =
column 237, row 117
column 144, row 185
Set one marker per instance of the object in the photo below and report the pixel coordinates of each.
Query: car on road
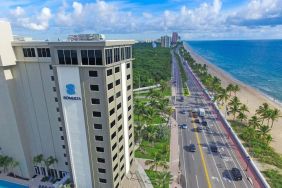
column 197, row 120
column 192, row 148
column 199, row 129
column 184, row 126
column 236, row 174
column 214, row 148
column 183, row 111
column 204, row 123
column 181, row 99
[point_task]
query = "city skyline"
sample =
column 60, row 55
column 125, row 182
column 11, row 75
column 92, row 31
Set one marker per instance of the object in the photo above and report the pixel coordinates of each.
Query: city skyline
column 193, row 20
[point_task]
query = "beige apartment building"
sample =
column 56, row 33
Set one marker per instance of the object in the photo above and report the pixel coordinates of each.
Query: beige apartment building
column 69, row 100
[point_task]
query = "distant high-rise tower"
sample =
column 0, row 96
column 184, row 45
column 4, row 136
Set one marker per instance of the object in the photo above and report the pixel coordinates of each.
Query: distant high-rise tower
column 165, row 41
column 174, row 37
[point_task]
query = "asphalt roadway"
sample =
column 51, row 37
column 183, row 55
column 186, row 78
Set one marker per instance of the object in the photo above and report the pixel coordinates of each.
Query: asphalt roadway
column 202, row 168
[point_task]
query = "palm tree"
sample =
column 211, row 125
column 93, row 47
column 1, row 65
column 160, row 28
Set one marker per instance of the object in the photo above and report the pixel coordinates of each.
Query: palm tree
column 244, row 108
column 254, row 122
column 274, row 115
column 150, row 113
column 5, row 162
column 154, row 162
column 163, row 179
column 50, row 161
column 268, row 139
column 236, row 89
column 38, row 159
column 262, row 111
column 163, row 86
column 264, row 130
column 241, row 116
column 13, row 165
column 229, row 89
column 248, row 134
column 234, row 106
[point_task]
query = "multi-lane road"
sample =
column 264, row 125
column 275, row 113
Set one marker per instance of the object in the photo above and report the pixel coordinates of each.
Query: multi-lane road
column 202, row 168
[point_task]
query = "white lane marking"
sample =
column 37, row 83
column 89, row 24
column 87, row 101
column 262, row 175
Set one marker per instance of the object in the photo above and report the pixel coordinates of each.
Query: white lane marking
column 193, row 157
column 190, row 141
column 197, row 181
column 215, row 178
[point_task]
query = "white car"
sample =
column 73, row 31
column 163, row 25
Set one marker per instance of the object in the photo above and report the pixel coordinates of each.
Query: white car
column 184, row 126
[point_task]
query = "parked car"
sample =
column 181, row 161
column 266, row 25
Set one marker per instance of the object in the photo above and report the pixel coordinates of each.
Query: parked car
column 204, row 123
column 214, row 148
column 236, row 174
column 184, row 126
column 192, row 148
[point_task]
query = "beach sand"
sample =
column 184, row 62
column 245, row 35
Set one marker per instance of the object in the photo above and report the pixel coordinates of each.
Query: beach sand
column 247, row 95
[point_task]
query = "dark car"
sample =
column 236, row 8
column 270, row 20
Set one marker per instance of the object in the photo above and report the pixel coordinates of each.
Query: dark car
column 236, row 174
column 199, row 129
column 192, row 148
column 181, row 99
column 197, row 120
column 204, row 123
column 214, row 148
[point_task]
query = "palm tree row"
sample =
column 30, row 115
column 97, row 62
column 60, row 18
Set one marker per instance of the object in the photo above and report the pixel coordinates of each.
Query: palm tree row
column 260, row 124
column 8, row 163
column 47, row 162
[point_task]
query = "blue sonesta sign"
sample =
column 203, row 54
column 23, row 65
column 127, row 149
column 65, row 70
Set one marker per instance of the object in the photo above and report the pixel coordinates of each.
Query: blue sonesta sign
column 70, row 89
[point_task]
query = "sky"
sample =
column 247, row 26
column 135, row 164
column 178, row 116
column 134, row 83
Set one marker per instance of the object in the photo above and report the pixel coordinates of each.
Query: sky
column 145, row 19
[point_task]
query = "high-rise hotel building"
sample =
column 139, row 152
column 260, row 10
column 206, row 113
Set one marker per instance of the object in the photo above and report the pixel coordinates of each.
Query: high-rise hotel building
column 69, row 100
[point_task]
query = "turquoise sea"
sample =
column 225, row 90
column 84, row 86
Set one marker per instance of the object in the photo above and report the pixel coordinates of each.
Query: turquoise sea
column 257, row 63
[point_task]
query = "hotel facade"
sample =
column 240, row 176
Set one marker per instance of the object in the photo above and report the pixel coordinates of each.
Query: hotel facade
column 69, row 100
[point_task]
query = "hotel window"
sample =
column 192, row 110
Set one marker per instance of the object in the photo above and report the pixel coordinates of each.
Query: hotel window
column 101, row 170
column 116, row 177
column 66, row 163
column 114, row 157
column 130, row 126
column 99, row 138
column 97, row 126
column 111, row 99
column 120, row 139
column 43, row 52
column 109, row 56
column 128, row 87
column 58, row 110
column 130, row 144
column 116, row 55
column 63, row 146
column 96, row 114
column 121, row 148
column 117, row 82
column 84, row 57
column 114, row 146
column 129, row 118
column 129, row 98
column 94, row 87
column 112, row 111
column 54, row 89
column 117, row 186
column 130, row 135
column 59, row 119
column 129, row 108
column 119, row 129
column 118, row 94
column 101, row 160
column 61, row 128
column 115, row 167
column 50, row 67
column 119, row 117
column 113, row 135
column 127, row 52
column 119, row 106
column 116, row 69
column 113, row 123
column 102, row 180
column 56, row 99
column 122, row 53
column 29, row 52
column 93, row 73
column 128, row 65
column 99, row 149
column 128, row 77
column 109, row 72
column 91, row 57
column 68, row 57
column 122, row 168
column 62, row 138
column 95, row 101
column 110, row 86
column 52, row 78
column 122, row 175
column 121, row 158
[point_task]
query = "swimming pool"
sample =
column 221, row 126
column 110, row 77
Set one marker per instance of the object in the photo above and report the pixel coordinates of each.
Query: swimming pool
column 6, row 184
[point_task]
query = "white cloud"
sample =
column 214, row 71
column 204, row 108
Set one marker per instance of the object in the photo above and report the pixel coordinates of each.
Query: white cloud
column 19, row 11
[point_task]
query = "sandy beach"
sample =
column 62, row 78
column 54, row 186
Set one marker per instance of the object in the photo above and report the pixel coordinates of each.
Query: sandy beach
column 248, row 95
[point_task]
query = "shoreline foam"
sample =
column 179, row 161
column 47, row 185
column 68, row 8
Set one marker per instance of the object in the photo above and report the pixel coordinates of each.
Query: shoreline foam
column 249, row 95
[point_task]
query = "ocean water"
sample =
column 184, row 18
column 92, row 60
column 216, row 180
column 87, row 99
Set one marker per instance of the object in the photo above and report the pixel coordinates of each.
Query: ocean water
column 257, row 63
